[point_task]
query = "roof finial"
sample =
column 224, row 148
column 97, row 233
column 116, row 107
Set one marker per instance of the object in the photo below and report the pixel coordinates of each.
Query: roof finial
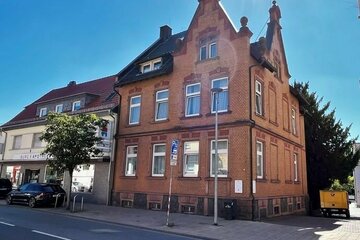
column 274, row 2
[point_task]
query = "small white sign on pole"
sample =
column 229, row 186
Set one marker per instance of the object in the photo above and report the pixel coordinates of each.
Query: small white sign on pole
column 174, row 152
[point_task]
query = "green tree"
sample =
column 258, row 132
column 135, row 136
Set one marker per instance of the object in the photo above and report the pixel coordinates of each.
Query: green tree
column 329, row 149
column 71, row 141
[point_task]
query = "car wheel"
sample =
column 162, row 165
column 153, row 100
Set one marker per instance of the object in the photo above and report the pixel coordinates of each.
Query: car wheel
column 9, row 200
column 32, row 202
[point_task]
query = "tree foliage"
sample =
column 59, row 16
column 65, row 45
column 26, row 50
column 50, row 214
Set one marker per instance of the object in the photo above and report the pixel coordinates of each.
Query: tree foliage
column 329, row 149
column 71, row 141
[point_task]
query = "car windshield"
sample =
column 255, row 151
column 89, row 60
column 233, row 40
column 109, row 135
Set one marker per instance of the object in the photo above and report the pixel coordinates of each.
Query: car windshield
column 48, row 189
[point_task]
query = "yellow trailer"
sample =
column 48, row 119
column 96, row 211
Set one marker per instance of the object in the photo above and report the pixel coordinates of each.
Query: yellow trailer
column 334, row 202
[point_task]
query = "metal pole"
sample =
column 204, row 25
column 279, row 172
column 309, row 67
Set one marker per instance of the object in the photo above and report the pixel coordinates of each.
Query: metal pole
column 168, row 210
column 216, row 161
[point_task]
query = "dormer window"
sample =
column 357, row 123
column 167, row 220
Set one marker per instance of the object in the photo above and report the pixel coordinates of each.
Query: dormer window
column 43, row 112
column 76, row 106
column 151, row 65
column 59, row 108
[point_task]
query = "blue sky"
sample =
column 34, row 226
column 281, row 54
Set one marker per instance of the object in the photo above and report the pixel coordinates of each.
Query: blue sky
column 45, row 44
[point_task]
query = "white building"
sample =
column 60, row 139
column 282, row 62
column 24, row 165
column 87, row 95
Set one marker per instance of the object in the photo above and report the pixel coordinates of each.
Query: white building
column 22, row 160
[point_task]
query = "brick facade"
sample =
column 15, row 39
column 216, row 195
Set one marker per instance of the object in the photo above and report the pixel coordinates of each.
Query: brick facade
column 277, row 193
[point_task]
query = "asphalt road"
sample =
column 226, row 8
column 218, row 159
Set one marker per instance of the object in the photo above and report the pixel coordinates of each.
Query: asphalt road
column 21, row 222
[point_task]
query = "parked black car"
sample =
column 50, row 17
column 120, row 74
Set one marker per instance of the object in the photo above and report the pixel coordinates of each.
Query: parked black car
column 36, row 194
column 5, row 187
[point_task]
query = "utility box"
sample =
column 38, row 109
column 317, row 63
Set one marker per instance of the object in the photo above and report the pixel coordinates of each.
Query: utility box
column 334, row 202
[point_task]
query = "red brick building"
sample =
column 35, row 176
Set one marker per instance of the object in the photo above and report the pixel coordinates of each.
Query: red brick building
column 166, row 95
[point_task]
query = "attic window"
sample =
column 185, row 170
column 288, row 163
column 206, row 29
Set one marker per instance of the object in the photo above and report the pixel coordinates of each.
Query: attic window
column 76, row 106
column 43, row 112
column 151, row 65
column 208, row 49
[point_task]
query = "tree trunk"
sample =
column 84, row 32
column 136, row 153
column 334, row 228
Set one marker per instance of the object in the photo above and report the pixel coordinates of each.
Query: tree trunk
column 69, row 190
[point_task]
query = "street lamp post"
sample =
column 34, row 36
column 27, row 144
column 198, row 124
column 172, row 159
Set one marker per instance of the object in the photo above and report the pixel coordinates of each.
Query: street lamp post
column 216, row 92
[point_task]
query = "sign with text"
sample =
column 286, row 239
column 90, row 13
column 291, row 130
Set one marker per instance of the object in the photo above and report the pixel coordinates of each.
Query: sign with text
column 174, row 152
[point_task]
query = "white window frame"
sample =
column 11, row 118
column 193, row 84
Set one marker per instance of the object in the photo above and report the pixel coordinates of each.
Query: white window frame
column 260, row 160
column 14, row 142
column 296, row 167
column 225, row 89
column 131, row 155
column 74, row 104
column 158, row 154
column 258, row 97
column 293, row 121
column 200, row 51
column 59, row 106
column 209, row 53
column 192, row 95
column 43, row 112
column 220, row 151
column 151, row 64
column 161, row 101
column 135, row 105
column 191, row 153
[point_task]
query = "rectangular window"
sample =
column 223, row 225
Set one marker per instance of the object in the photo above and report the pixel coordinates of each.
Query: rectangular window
column 296, row 168
column 146, row 68
column 158, row 161
column 212, row 50
column 258, row 98
column 203, row 53
column 222, row 158
column 157, row 65
column 37, row 143
column 259, row 159
column 191, row 159
column 134, row 116
column 131, row 159
column 76, row 105
column 162, row 99
column 223, row 100
column 192, row 100
column 17, row 142
column 293, row 121
column 59, row 108
column 43, row 112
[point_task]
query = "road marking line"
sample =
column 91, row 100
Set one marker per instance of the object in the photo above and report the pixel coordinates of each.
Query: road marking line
column 7, row 224
column 50, row 235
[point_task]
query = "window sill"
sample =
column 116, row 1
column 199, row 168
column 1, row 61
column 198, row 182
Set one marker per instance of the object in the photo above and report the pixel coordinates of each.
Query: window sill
column 191, row 117
column 219, row 113
column 297, row 182
column 225, row 179
column 274, row 123
column 133, row 125
column 160, row 121
column 207, row 60
column 275, row 181
column 189, row 178
column 128, row 177
column 260, row 116
column 288, row 181
column 156, row 178
column 261, row 180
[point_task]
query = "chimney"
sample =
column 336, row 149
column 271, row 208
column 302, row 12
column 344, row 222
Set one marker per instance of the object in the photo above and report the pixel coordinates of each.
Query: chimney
column 71, row 83
column 165, row 32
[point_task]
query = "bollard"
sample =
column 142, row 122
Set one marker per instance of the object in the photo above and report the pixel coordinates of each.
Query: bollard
column 74, row 201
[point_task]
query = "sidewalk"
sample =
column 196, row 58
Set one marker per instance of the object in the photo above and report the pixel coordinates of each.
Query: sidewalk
column 287, row 227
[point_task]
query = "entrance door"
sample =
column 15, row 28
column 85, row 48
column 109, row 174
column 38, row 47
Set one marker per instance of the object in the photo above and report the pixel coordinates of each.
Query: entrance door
column 31, row 176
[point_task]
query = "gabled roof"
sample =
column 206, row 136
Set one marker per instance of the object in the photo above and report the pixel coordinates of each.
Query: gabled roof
column 99, row 89
column 163, row 47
